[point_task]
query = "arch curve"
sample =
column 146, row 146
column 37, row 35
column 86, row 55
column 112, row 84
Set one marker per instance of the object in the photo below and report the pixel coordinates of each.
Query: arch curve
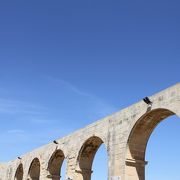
column 86, row 156
column 34, row 170
column 138, row 139
column 55, row 163
column 19, row 172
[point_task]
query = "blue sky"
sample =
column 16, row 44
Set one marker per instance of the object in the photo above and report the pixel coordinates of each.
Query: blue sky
column 73, row 62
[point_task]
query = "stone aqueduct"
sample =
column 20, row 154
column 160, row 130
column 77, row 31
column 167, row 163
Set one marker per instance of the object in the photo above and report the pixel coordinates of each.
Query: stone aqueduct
column 125, row 135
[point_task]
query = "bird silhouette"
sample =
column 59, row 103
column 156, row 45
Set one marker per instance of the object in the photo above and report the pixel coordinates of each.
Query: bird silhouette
column 55, row 142
column 147, row 100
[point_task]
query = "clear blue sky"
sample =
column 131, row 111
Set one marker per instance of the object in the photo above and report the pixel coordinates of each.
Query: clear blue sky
column 73, row 62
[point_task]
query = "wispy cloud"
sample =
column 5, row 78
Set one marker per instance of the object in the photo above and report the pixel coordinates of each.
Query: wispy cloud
column 69, row 85
column 43, row 122
column 16, row 107
column 20, row 136
column 15, row 131
column 16, row 142
column 99, row 104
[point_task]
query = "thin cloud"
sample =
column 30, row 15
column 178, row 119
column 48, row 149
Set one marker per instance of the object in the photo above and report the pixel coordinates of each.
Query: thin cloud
column 100, row 105
column 70, row 86
column 15, row 131
column 42, row 120
column 17, row 136
column 19, row 107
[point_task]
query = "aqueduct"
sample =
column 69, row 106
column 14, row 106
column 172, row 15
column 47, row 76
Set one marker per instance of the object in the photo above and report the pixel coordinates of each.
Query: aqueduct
column 125, row 135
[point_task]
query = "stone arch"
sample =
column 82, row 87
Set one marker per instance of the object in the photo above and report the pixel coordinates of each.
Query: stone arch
column 86, row 156
column 34, row 170
column 19, row 172
column 54, row 165
column 137, row 142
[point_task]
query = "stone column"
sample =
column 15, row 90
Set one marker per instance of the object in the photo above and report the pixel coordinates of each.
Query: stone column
column 53, row 177
column 135, row 169
column 84, row 174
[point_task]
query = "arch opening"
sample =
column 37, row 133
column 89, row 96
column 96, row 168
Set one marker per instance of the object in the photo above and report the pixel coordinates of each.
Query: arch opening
column 137, row 142
column 162, row 151
column 34, row 170
column 55, row 164
column 19, row 173
column 100, row 164
column 86, row 157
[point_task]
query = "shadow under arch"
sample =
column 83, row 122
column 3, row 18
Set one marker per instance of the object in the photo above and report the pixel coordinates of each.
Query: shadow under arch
column 19, row 172
column 34, row 170
column 137, row 142
column 54, row 165
column 86, row 157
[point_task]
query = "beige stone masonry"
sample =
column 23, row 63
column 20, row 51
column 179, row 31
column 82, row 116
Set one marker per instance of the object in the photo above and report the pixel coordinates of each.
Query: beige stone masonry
column 124, row 134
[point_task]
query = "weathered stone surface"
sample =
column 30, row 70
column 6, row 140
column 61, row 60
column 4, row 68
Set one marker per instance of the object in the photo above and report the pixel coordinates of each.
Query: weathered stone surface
column 124, row 133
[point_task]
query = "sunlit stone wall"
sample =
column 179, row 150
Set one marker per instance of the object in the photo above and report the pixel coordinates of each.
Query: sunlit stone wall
column 124, row 134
